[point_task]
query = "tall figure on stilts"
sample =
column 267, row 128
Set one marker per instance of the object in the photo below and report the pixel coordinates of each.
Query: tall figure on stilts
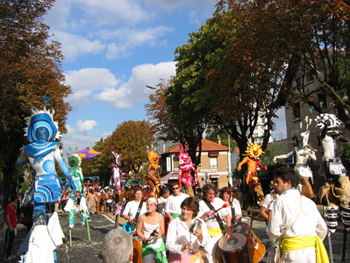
column 152, row 177
column 302, row 152
column 42, row 152
column 186, row 166
column 117, row 185
column 78, row 178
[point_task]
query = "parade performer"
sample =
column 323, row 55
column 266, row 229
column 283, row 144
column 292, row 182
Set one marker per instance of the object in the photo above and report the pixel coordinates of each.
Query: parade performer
column 186, row 234
column 251, row 178
column 303, row 152
column 211, row 210
column 296, row 222
column 41, row 152
column 78, row 178
column 185, row 168
column 336, row 190
column 152, row 177
column 150, row 228
column 118, row 197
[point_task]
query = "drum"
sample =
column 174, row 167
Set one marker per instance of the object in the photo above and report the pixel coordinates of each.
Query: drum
column 242, row 228
column 109, row 202
column 137, row 245
column 235, row 249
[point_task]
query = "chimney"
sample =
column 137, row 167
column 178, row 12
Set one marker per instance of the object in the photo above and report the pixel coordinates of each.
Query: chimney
column 219, row 139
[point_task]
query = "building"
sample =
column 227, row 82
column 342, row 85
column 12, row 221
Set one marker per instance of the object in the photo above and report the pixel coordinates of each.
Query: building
column 213, row 168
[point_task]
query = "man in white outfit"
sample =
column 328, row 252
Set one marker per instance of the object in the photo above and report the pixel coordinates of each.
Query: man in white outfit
column 295, row 222
column 173, row 204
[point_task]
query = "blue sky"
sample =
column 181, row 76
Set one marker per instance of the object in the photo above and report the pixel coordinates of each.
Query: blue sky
column 112, row 49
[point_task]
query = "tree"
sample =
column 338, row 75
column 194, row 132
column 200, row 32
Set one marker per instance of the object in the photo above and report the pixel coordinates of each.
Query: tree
column 30, row 69
column 132, row 139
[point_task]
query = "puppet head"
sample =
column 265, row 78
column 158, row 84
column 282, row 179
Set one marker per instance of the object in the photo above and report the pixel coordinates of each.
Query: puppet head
column 254, row 150
column 330, row 121
column 184, row 158
column 74, row 160
column 153, row 157
column 41, row 127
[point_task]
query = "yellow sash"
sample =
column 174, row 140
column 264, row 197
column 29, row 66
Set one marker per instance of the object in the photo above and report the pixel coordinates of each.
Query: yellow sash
column 213, row 232
column 296, row 243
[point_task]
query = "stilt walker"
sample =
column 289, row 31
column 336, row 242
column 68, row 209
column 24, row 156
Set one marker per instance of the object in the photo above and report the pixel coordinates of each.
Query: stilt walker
column 118, row 199
column 41, row 153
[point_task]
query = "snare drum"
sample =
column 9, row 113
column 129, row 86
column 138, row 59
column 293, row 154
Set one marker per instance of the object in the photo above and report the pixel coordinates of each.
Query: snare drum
column 137, row 245
column 234, row 250
column 242, row 228
column 109, row 202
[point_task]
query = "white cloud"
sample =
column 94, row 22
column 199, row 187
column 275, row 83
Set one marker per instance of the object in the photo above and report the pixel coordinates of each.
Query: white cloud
column 86, row 126
column 126, row 39
column 74, row 46
column 86, row 81
column 135, row 89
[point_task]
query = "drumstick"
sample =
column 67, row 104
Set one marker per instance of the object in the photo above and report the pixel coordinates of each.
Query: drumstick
column 224, row 206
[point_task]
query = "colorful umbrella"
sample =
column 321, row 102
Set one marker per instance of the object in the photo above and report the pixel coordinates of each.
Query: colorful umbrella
column 87, row 153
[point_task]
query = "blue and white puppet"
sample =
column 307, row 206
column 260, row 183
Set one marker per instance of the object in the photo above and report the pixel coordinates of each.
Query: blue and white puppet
column 41, row 153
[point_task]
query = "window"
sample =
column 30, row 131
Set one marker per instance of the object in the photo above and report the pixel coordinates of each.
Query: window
column 296, row 111
column 213, row 162
column 309, row 77
column 323, row 101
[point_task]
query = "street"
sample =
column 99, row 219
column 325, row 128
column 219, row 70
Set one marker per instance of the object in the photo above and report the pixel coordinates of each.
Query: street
column 91, row 252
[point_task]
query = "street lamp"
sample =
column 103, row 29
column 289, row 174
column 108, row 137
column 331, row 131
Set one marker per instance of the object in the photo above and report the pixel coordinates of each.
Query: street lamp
column 151, row 87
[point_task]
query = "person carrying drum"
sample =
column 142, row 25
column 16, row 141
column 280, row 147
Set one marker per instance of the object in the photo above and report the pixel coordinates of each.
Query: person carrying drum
column 295, row 222
column 133, row 210
column 233, row 207
column 211, row 211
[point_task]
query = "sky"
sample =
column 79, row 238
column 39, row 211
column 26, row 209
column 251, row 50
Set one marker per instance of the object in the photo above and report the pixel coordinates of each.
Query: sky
column 112, row 50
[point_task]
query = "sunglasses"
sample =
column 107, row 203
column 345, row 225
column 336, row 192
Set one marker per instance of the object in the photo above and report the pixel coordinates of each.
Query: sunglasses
column 174, row 188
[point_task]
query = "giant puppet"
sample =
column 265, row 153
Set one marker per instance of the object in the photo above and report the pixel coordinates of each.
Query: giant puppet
column 336, row 190
column 251, row 178
column 118, row 196
column 186, row 166
column 42, row 152
column 152, row 177
column 302, row 152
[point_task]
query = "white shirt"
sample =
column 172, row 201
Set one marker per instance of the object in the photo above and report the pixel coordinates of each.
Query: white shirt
column 212, row 223
column 173, row 204
column 236, row 206
column 178, row 234
column 308, row 223
column 132, row 207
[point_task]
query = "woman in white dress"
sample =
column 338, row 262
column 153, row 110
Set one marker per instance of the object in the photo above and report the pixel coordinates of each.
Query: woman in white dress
column 186, row 234
column 150, row 229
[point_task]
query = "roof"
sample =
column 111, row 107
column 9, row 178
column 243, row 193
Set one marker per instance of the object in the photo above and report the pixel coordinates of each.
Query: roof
column 207, row 146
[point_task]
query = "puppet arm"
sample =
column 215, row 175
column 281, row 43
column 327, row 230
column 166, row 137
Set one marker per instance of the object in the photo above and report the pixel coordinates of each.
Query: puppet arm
column 239, row 167
column 282, row 156
column 22, row 159
column 64, row 168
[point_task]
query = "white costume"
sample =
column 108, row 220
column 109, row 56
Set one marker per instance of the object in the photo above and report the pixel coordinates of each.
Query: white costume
column 132, row 207
column 173, row 204
column 178, row 235
column 237, row 207
column 308, row 223
column 212, row 223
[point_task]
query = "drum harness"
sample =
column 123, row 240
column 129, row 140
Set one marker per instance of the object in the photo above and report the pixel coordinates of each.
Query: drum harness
column 217, row 217
column 137, row 215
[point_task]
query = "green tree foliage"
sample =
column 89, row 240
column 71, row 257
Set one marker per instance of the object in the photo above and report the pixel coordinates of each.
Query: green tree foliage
column 132, row 140
column 30, row 69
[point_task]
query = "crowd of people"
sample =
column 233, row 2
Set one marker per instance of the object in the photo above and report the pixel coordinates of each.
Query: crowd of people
column 175, row 227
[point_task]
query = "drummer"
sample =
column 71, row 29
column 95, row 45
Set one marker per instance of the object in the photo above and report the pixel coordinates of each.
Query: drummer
column 131, row 209
column 216, row 229
column 181, row 243
column 233, row 207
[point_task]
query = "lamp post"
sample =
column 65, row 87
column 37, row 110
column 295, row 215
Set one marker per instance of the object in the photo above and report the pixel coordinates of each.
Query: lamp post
column 230, row 180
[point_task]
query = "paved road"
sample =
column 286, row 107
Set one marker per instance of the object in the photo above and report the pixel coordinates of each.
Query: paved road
column 90, row 252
